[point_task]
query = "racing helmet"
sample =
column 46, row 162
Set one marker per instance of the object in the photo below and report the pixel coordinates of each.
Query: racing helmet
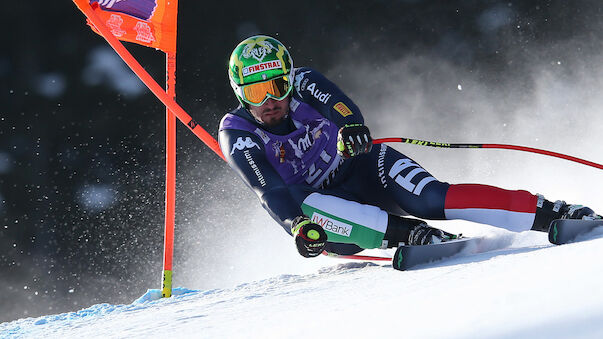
column 260, row 67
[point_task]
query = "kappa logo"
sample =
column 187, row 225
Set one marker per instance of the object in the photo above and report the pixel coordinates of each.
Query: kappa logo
column 322, row 97
column 332, row 225
column 257, row 49
column 243, row 144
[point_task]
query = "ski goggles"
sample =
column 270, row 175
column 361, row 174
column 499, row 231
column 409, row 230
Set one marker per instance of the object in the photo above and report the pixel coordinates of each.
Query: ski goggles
column 256, row 94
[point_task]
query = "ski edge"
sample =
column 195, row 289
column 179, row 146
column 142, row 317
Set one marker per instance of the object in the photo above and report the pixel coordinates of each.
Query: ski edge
column 401, row 263
column 356, row 257
column 560, row 235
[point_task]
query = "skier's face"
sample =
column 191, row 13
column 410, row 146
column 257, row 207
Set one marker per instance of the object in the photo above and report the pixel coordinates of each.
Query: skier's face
column 272, row 112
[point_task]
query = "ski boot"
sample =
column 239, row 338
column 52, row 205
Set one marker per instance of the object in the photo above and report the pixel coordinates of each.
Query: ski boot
column 424, row 234
column 408, row 231
column 580, row 212
column 547, row 211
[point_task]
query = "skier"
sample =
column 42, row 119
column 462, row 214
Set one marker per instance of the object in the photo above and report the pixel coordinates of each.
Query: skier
column 301, row 145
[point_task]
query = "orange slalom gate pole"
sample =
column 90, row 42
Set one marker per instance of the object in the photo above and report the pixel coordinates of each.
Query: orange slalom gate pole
column 146, row 78
column 173, row 111
column 170, row 179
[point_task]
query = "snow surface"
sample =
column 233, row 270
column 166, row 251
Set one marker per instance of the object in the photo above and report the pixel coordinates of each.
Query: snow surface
column 522, row 287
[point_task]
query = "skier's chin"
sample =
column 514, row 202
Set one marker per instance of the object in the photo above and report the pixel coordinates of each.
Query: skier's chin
column 273, row 118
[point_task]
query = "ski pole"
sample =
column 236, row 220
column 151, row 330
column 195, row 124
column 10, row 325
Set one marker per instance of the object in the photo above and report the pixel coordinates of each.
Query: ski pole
column 356, row 257
column 492, row 146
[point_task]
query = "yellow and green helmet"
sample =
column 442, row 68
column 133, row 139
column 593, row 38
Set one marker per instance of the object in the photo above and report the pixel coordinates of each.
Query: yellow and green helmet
column 260, row 67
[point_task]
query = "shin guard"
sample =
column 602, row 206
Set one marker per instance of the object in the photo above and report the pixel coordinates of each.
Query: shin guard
column 347, row 221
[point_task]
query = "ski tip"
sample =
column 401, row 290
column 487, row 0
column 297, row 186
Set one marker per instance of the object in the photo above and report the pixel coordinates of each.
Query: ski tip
column 563, row 231
column 398, row 260
column 407, row 257
column 554, row 233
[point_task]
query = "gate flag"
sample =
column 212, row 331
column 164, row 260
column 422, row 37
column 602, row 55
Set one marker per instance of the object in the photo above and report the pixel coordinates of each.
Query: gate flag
column 150, row 23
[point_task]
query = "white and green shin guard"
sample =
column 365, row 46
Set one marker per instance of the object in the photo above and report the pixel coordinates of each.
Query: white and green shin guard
column 347, row 221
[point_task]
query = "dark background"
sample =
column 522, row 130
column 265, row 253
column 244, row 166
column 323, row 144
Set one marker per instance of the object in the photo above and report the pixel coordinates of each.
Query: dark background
column 82, row 141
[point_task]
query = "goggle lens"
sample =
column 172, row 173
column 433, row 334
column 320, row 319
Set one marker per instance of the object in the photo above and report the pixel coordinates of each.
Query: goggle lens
column 257, row 93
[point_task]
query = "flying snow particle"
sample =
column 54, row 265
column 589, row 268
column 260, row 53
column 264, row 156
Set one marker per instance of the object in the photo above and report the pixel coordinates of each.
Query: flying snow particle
column 105, row 67
column 494, row 18
column 5, row 162
column 96, row 197
column 51, row 85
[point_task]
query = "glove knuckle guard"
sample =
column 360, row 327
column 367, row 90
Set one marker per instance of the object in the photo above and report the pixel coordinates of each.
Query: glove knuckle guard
column 309, row 246
column 354, row 140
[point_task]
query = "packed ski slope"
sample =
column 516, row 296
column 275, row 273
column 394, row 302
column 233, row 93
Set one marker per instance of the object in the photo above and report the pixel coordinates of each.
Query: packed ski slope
column 521, row 286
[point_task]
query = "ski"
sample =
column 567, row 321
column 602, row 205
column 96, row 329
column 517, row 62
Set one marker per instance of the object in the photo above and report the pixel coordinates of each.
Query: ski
column 356, row 257
column 563, row 231
column 409, row 256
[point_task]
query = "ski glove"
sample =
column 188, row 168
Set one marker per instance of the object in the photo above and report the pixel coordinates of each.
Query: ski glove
column 310, row 238
column 353, row 140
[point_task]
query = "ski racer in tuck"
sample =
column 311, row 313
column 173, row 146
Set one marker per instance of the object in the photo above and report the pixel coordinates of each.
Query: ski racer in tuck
column 301, row 145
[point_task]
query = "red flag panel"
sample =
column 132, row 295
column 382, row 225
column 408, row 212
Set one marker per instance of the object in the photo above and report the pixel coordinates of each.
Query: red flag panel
column 150, row 23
